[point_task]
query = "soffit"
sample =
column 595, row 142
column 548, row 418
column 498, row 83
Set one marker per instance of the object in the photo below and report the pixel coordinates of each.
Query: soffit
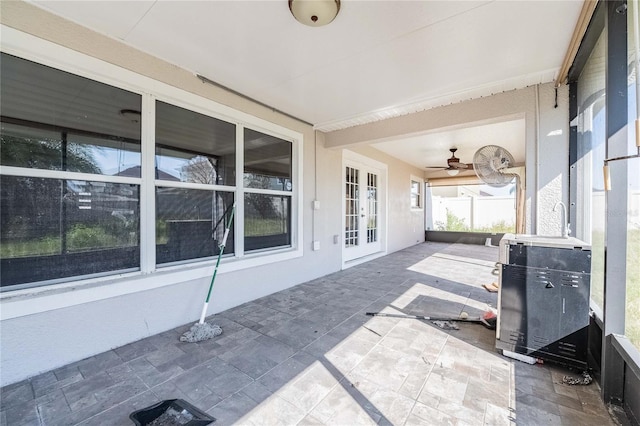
column 377, row 60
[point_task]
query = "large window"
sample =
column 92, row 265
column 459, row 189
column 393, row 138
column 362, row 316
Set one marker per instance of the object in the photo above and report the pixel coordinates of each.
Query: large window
column 83, row 191
column 70, row 185
column 195, row 180
column 54, row 228
column 268, row 186
column 472, row 208
column 591, row 155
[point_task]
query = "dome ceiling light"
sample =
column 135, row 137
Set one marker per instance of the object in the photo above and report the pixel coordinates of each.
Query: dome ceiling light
column 314, row 13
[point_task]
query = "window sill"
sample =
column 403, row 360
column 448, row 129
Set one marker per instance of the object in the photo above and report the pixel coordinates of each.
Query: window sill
column 29, row 301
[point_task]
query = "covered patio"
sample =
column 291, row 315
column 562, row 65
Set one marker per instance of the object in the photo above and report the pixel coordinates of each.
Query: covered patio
column 310, row 355
column 329, row 172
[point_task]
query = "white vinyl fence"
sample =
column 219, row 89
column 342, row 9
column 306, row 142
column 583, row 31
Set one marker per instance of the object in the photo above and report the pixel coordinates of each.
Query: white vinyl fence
column 476, row 212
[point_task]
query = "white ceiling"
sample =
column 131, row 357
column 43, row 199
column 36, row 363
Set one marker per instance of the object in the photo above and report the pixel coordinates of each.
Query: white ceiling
column 432, row 149
column 376, row 60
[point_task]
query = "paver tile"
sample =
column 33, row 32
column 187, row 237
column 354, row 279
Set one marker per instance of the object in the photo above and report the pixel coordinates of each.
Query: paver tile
column 52, row 406
column 232, row 410
column 23, row 414
column 258, row 356
column 310, row 355
column 15, row 395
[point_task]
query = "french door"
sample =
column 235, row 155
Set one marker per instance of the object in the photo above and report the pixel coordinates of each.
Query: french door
column 362, row 210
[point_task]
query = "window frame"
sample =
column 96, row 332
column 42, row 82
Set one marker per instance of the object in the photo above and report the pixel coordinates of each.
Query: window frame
column 240, row 166
column 26, row 46
column 420, row 194
column 617, row 353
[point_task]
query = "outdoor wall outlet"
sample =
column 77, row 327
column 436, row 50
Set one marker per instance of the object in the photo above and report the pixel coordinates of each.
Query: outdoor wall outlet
column 316, row 245
column 316, row 205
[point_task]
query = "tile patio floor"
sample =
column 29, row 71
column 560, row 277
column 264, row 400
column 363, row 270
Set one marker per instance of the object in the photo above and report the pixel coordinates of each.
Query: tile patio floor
column 310, row 356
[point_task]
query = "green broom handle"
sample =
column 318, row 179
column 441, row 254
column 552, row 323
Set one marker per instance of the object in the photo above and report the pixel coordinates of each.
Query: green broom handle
column 221, row 248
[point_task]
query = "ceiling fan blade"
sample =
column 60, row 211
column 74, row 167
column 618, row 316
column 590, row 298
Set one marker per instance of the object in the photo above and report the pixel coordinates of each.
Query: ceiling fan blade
column 435, row 167
column 459, row 166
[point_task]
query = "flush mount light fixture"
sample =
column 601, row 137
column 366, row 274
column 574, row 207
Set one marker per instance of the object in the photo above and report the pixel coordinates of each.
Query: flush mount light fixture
column 314, row 13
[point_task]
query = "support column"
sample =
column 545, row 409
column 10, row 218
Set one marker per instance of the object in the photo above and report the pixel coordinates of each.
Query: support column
column 616, row 199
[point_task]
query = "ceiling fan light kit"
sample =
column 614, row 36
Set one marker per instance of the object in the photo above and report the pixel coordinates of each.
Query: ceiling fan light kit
column 314, row 13
column 453, row 164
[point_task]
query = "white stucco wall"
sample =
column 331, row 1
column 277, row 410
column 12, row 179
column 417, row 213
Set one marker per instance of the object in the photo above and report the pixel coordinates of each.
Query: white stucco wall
column 553, row 159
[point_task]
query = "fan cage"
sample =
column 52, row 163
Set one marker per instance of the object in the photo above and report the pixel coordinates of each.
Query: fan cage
column 489, row 163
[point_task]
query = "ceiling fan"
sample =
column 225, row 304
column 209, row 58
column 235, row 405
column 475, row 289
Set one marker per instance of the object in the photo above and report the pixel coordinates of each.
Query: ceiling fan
column 453, row 164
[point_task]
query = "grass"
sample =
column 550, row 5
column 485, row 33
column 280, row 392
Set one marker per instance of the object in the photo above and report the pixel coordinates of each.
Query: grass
column 632, row 324
column 79, row 238
column 35, row 247
column 254, row 227
column 632, row 305
column 455, row 223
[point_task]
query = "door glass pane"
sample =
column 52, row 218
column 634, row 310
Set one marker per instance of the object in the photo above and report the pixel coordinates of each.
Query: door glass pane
column 267, row 221
column 190, row 223
column 591, row 155
column 53, row 228
column 267, row 161
column 352, row 207
column 55, row 120
column 372, row 208
column 193, row 147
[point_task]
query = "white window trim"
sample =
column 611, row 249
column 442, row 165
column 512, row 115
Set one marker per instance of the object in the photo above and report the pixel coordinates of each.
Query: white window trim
column 60, row 174
column 421, row 192
column 19, row 302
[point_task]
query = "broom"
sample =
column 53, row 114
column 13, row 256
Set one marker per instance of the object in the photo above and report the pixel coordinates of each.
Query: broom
column 201, row 330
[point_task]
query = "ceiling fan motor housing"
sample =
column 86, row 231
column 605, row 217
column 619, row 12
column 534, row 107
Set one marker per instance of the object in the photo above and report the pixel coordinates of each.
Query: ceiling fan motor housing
column 453, row 163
